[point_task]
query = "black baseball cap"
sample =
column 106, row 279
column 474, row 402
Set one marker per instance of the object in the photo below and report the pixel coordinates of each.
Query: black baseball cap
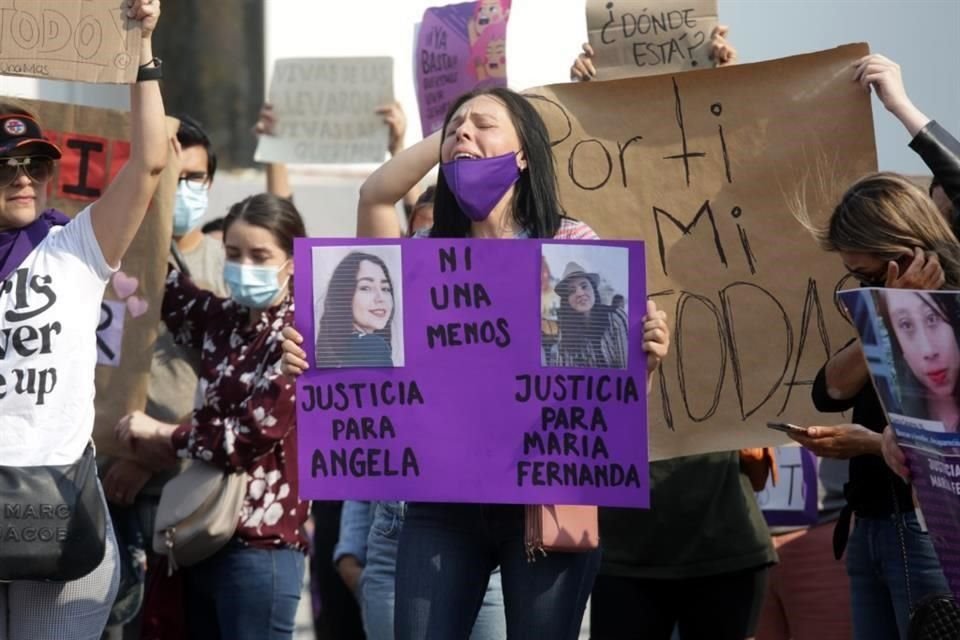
column 18, row 131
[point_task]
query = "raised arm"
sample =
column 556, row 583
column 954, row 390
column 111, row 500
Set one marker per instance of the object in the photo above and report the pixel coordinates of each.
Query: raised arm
column 376, row 212
column 883, row 75
column 278, row 179
column 396, row 121
column 117, row 215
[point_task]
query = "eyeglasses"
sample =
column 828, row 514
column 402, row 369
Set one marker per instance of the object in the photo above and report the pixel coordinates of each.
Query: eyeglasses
column 39, row 169
column 195, row 181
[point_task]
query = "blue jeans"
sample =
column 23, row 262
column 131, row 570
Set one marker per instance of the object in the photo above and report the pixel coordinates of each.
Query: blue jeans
column 446, row 554
column 378, row 583
column 240, row 593
column 878, row 593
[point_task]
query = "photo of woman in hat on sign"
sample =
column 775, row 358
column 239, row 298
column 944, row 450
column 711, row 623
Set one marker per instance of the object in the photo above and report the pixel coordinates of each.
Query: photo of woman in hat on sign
column 592, row 333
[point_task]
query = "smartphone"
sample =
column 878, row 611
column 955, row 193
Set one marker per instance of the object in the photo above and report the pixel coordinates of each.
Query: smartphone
column 786, row 427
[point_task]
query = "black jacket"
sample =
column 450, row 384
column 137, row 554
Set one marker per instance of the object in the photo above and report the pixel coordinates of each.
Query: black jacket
column 940, row 151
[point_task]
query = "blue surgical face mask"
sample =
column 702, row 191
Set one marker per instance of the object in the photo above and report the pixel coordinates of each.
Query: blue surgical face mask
column 252, row 286
column 189, row 206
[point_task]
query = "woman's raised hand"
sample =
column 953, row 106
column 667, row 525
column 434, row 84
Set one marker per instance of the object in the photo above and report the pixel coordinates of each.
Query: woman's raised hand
column 721, row 51
column 883, row 75
column 923, row 272
column 656, row 336
column 147, row 12
column 266, row 121
column 582, row 68
column 294, row 361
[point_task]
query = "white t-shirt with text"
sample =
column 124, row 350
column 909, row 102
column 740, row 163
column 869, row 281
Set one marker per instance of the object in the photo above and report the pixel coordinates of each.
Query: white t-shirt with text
column 49, row 312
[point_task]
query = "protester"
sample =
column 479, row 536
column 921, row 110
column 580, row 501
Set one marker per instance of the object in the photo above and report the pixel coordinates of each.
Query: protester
column 697, row 559
column 362, row 335
column 888, row 233
column 245, row 422
column 74, row 261
column 447, row 551
column 934, row 144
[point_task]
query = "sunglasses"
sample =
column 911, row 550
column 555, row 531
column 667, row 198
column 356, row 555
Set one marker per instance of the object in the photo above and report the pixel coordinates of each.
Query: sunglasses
column 38, row 168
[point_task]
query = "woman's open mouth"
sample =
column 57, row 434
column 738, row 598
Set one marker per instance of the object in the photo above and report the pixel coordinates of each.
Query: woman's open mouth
column 379, row 313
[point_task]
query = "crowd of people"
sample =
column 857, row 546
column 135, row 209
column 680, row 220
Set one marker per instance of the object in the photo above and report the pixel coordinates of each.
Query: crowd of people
column 701, row 563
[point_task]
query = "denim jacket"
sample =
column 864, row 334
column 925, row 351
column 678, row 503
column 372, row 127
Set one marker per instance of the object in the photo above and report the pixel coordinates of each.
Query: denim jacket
column 356, row 519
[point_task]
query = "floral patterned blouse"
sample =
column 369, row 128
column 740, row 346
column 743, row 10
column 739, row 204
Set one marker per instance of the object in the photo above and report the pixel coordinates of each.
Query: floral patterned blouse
column 247, row 418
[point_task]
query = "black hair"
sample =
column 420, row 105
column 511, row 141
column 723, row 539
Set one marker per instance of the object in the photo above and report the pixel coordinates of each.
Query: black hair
column 275, row 214
column 214, row 225
column 426, row 199
column 335, row 330
column 536, row 203
column 191, row 134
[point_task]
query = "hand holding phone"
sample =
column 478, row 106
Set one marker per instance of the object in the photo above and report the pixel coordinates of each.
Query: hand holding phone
column 786, row 427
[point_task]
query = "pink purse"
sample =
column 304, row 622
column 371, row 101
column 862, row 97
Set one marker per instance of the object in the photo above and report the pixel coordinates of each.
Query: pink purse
column 563, row 528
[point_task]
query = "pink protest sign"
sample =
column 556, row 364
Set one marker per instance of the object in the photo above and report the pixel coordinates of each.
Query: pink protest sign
column 459, row 47
column 439, row 375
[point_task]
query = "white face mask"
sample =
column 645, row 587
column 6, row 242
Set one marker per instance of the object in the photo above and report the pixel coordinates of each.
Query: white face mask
column 253, row 286
column 189, row 206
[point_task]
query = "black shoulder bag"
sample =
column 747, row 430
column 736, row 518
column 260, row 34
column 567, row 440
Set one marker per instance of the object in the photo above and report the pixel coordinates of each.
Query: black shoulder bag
column 52, row 521
column 935, row 617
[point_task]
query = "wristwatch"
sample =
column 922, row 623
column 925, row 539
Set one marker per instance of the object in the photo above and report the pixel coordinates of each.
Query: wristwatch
column 145, row 72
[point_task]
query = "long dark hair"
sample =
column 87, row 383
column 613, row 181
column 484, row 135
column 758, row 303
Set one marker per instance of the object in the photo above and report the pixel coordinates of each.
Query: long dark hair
column 536, row 204
column 913, row 397
column 336, row 327
column 581, row 333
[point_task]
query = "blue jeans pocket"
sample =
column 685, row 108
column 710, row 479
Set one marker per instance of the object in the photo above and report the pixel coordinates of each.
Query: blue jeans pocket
column 387, row 520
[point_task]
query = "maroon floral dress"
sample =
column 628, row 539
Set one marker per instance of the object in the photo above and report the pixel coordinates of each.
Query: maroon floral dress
column 247, row 418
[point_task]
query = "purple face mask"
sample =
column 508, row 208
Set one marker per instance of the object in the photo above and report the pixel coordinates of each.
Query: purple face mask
column 478, row 184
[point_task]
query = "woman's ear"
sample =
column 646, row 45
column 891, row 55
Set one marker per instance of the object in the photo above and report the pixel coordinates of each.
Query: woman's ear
column 521, row 160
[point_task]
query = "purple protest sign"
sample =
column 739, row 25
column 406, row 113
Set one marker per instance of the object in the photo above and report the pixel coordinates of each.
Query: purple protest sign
column 459, row 47
column 472, row 371
column 911, row 340
column 793, row 500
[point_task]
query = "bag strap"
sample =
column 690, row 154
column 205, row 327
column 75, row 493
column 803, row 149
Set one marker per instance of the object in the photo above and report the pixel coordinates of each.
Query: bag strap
column 901, row 537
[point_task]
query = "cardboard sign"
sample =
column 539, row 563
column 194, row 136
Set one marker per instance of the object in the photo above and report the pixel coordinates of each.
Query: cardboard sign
column 793, row 500
column 434, row 377
column 326, row 110
column 459, row 47
column 704, row 166
column 85, row 40
column 95, row 144
column 911, row 340
column 632, row 38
